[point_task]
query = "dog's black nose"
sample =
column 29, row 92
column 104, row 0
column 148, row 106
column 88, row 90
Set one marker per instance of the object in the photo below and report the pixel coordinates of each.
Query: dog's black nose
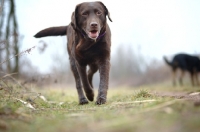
column 93, row 24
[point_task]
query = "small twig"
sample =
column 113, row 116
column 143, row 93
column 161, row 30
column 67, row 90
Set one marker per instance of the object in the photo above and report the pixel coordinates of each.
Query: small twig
column 194, row 94
column 134, row 102
column 8, row 75
column 7, row 87
column 26, row 103
column 20, row 54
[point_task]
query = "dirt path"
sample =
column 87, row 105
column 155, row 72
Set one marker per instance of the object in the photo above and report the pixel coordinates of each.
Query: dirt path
column 194, row 96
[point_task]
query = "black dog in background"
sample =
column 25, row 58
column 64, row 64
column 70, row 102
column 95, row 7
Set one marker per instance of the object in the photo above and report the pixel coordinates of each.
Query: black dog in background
column 185, row 62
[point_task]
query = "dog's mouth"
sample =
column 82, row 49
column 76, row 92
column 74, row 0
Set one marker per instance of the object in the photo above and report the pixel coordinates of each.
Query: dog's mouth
column 93, row 34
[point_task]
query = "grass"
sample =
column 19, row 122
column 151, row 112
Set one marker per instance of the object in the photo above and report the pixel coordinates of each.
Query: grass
column 127, row 109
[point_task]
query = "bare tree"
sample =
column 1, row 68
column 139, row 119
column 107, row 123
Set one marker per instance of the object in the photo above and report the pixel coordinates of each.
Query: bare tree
column 2, row 42
column 9, row 33
column 1, row 6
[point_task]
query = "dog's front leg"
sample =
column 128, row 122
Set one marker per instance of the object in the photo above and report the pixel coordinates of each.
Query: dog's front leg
column 88, row 89
column 82, row 98
column 104, row 69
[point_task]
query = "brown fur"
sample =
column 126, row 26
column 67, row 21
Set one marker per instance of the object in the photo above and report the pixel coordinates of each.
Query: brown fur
column 86, row 51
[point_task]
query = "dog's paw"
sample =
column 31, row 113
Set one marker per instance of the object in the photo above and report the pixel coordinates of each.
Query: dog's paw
column 101, row 100
column 90, row 95
column 83, row 101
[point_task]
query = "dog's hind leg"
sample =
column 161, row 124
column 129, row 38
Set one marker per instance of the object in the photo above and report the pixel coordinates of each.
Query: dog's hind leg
column 192, row 78
column 181, row 77
column 82, row 98
column 92, row 70
column 174, row 77
column 196, row 78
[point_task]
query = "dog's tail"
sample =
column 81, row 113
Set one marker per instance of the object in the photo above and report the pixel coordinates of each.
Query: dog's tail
column 166, row 60
column 52, row 31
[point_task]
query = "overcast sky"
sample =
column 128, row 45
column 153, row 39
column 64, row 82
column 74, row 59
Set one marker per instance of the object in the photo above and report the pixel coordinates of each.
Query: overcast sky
column 156, row 27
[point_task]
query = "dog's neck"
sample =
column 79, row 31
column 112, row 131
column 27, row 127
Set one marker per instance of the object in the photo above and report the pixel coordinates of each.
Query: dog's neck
column 101, row 35
column 85, row 43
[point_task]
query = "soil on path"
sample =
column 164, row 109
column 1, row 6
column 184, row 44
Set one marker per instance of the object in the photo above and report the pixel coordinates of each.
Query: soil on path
column 194, row 96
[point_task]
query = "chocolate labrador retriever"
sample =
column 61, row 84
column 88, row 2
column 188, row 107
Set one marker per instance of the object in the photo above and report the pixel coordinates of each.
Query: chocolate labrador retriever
column 88, row 44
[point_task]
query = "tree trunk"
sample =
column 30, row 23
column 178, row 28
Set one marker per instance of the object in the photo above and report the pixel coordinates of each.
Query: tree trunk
column 12, row 48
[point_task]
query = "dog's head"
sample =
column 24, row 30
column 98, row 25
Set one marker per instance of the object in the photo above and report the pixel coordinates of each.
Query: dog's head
column 89, row 18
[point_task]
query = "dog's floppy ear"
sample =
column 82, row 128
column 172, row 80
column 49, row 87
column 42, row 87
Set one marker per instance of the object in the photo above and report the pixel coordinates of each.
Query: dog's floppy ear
column 74, row 18
column 106, row 10
column 73, row 21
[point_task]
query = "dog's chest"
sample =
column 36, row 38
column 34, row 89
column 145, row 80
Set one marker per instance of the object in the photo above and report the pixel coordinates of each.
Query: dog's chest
column 91, row 54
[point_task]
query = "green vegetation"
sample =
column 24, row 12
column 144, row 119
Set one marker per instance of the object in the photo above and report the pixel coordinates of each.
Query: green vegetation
column 148, row 108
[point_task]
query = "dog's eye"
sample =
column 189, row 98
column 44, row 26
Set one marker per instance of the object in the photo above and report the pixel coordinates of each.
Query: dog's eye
column 84, row 14
column 98, row 13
